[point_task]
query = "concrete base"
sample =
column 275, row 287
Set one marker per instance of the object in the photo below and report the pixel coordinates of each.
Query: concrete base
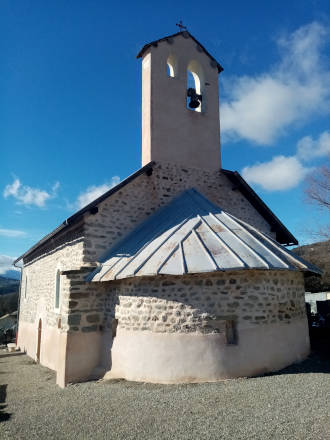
column 166, row 357
column 87, row 357
column 75, row 357
column 50, row 342
column 175, row 358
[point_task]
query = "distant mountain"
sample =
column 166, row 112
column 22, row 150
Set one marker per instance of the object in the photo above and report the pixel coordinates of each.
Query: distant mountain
column 12, row 274
column 9, row 289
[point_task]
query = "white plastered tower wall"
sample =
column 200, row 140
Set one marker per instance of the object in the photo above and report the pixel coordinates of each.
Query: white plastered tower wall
column 170, row 131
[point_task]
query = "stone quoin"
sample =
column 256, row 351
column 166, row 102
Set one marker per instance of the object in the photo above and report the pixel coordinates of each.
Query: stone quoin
column 177, row 274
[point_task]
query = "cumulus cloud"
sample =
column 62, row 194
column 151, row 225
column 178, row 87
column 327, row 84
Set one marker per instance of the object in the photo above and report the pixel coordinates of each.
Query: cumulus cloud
column 279, row 174
column 94, row 191
column 262, row 107
column 282, row 172
column 25, row 195
column 11, row 233
column 308, row 148
column 6, row 263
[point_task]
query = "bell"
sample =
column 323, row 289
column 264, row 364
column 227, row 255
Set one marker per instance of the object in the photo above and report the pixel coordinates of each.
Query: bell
column 195, row 99
column 194, row 103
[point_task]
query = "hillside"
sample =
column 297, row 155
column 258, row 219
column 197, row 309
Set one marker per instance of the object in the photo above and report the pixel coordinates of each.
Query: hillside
column 8, row 285
column 318, row 254
column 8, row 295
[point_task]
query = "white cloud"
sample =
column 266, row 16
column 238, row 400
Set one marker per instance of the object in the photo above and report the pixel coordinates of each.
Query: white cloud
column 25, row 195
column 279, row 174
column 12, row 233
column 261, row 108
column 308, row 148
column 6, row 263
column 93, row 192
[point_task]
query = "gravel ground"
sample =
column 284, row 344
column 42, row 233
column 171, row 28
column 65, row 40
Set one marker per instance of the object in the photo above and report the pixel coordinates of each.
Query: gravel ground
column 292, row 404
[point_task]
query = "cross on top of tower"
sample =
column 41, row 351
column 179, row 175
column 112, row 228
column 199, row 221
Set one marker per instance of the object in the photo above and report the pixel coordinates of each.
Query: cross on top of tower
column 180, row 26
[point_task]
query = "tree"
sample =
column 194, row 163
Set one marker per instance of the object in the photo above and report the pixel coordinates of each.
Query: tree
column 317, row 191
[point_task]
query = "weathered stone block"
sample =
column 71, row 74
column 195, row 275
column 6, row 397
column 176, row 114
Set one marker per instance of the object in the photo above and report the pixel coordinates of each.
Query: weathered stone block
column 74, row 319
column 92, row 328
column 93, row 318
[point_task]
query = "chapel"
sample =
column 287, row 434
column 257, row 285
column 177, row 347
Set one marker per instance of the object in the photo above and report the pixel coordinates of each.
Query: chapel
column 180, row 272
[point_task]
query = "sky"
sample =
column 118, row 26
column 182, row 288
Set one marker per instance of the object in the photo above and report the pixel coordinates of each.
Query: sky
column 70, row 106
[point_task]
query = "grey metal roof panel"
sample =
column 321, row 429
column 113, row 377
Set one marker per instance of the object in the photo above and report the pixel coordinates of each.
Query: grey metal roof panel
column 192, row 235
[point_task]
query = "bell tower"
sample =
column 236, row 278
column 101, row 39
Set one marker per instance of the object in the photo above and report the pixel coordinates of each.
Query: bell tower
column 180, row 103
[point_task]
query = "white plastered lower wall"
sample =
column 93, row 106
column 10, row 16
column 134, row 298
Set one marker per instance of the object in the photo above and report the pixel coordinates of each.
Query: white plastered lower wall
column 175, row 358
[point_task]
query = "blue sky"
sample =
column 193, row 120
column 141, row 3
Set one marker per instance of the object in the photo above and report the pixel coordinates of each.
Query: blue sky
column 70, row 108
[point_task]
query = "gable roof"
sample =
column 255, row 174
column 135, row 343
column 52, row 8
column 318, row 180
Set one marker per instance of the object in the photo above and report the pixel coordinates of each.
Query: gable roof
column 193, row 235
column 91, row 208
column 282, row 234
column 184, row 34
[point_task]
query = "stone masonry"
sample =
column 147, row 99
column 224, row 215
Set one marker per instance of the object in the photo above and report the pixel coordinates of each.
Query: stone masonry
column 40, row 277
column 193, row 303
column 77, row 249
column 124, row 210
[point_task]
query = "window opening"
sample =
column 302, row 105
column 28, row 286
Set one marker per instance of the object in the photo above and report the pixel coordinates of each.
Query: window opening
column 25, row 287
column 57, row 289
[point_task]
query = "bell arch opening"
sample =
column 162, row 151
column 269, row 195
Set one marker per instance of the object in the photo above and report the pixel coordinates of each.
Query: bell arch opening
column 195, row 86
column 171, row 66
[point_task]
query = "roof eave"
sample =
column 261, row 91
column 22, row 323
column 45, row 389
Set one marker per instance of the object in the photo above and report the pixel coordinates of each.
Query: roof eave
column 88, row 208
column 283, row 235
column 155, row 43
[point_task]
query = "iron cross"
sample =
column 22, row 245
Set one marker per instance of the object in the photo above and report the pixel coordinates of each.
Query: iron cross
column 180, row 26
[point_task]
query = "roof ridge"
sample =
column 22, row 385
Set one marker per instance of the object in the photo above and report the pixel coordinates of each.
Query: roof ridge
column 185, row 34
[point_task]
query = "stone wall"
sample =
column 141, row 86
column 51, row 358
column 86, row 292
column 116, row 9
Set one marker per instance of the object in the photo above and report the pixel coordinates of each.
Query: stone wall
column 41, row 278
column 124, row 210
column 87, row 307
column 85, row 242
column 193, row 303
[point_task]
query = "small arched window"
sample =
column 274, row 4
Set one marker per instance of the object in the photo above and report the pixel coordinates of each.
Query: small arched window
column 57, row 290
column 195, row 86
column 171, row 66
column 25, row 287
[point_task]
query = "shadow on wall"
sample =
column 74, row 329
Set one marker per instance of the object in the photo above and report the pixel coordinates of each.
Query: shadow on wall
column 319, row 359
column 108, row 361
column 4, row 416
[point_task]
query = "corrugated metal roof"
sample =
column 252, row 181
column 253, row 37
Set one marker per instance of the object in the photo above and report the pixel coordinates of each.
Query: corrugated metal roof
column 192, row 235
